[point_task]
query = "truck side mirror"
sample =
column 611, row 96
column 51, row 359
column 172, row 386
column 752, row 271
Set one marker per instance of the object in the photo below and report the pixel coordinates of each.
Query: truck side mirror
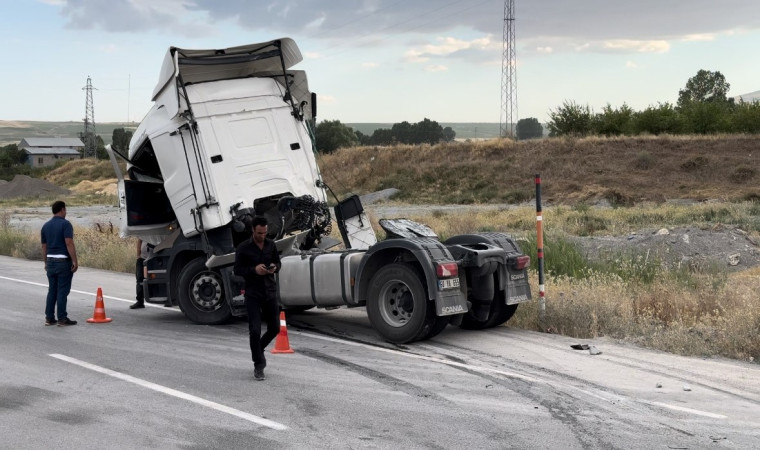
column 314, row 105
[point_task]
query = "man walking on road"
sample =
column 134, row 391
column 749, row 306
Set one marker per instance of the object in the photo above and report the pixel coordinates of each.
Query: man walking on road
column 57, row 237
column 257, row 260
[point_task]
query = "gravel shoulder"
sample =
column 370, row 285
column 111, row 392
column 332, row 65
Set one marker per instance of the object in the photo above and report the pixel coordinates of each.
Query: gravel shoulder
column 722, row 246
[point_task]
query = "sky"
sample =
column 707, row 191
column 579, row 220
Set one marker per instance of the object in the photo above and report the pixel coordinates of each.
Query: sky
column 381, row 61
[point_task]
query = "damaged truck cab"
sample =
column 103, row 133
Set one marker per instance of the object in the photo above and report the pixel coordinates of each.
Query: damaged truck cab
column 231, row 136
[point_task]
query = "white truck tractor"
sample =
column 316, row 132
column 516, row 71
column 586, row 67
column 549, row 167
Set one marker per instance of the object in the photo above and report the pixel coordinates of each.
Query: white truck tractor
column 231, row 136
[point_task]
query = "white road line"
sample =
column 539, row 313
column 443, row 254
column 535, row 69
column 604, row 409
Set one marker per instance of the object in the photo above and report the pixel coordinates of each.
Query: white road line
column 173, row 392
column 33, row 283
column 688, row 410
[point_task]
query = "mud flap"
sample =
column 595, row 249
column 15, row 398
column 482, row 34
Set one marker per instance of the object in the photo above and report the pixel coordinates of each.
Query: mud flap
column 518, row 289
column 450, row 302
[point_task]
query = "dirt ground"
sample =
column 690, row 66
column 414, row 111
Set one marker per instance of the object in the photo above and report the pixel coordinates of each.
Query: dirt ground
column 723, row 247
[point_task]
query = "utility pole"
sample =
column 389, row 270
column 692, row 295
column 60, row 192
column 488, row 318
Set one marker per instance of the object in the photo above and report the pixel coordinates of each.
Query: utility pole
column 88, row 136
column 509, row 116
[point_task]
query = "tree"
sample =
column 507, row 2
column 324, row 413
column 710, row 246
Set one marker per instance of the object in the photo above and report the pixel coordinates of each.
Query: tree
column 658, row 120
column 403, row 132
column 11, row 155
column 427, row 132
column 707, row 117
column 529, row 128
column 382, row 136
column 614, row 122
column 570, row 119
column 704, row 87
column 100, row 148
column 363, row 138
column 746, row 117
column 332, row 135
column 120, row 140
column 449, row 134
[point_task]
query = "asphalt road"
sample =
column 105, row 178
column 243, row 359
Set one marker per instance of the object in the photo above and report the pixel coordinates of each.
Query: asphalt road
column 152, row 379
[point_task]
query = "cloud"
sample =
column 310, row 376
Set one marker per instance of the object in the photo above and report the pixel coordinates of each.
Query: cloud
column 364, row 22
column 545, row 50
column 699, row 37
column 326, row 99
column 626, row 46
column 436, row 68
column 449, row 46
column 108, row 48
column 135, row 15
column 369, row 65
column 631, row 65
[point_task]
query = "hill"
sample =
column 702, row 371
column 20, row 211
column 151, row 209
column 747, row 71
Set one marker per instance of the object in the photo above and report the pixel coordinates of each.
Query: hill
column 463, row 130
column 11, row 132
column 619, row 171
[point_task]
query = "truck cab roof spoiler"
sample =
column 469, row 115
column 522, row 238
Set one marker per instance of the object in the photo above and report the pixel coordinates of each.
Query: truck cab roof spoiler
column 195, row 66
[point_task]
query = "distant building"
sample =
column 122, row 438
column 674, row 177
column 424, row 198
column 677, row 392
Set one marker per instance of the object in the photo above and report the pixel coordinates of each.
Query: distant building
column 46, row 151
column 748, row 98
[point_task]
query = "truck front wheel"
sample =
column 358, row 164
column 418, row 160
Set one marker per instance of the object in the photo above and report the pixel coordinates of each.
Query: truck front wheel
column 201, row 294
column 397, row 306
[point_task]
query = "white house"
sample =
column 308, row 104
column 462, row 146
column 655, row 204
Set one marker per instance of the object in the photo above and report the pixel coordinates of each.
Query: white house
column 46, row 151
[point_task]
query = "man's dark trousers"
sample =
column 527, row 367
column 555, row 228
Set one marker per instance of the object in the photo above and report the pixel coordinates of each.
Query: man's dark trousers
column 261, row 307
column 59, row 277
column 139, row 277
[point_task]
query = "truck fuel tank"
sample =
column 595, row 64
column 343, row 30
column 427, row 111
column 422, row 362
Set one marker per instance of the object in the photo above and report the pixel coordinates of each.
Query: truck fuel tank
column 318, row 279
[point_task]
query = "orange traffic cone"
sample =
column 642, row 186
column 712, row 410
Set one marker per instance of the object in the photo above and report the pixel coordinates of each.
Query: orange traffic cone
column 99, row 315
column 281, row 344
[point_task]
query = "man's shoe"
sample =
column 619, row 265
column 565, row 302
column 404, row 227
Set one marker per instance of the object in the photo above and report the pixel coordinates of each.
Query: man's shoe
column 137, row 305
column 258, row 374
column 66, row 322
column 49, row 322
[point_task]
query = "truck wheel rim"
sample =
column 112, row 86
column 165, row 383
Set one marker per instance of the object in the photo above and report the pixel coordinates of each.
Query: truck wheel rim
column 396, row 303
column 207, row 292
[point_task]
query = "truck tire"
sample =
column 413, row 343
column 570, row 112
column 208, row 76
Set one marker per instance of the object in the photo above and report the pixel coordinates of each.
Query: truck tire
column 499, row 314
column 397, row 305
column 201, row 294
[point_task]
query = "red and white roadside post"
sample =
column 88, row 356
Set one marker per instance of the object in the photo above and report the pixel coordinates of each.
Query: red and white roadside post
column 540, row 254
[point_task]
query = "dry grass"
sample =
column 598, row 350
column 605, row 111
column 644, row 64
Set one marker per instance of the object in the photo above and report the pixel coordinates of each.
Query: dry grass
column 705, row 320
column 96, row 248
column 624, row 171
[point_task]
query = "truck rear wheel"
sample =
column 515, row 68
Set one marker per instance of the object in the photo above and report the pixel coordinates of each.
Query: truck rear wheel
column 397, row 306
column 201, row 294
column 499, row 314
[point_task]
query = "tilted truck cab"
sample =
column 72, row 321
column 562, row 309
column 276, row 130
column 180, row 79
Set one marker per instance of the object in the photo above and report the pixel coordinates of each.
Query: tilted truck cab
column 230, row 136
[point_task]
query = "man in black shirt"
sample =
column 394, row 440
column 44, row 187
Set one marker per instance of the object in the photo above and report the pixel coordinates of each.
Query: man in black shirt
column 257, row 260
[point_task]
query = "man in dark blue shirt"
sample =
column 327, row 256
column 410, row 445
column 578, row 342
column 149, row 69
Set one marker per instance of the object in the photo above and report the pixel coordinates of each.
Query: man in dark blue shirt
column 60, row 254
column 257, row 260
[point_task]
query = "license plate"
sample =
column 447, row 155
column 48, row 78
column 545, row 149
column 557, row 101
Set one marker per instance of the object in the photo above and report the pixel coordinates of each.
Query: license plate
column 449, row 283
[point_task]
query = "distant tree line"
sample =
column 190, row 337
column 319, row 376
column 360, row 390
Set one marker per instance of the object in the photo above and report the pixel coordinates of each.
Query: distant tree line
column 332, row 135
column 703, row 108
